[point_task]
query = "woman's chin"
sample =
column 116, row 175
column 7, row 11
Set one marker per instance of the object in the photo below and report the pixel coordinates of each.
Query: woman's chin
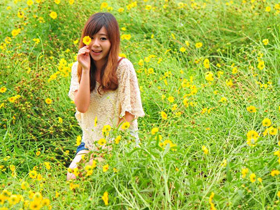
column 96, row 58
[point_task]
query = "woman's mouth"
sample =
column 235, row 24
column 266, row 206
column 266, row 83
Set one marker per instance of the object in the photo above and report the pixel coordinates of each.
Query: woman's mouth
column 96, row 52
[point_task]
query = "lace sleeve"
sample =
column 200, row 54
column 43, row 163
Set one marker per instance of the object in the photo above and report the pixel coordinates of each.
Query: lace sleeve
column 74, row 81
column 128, row 91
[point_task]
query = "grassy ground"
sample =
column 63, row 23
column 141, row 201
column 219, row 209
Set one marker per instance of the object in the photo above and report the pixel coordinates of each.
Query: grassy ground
column 209, row 78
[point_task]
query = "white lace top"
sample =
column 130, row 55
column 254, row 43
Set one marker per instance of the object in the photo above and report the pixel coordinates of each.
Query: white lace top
column 110, row 106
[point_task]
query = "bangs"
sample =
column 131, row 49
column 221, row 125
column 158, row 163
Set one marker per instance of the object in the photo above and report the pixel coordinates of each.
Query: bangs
column 95, row 25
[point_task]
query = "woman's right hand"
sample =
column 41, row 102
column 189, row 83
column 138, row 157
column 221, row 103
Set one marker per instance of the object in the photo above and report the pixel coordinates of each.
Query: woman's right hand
column 83, row 57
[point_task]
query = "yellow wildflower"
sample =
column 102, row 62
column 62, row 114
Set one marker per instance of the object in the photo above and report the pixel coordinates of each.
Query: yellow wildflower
column 117, row 139
column 141, row 62
column 33, row 174
column 244, row 172
column 105, row 198
column 48, row 101
column 126, row 36
column 267, row 9
column 223, row 100
column 163, row 115
column 154, row 131
column 95, row 122
column 106, row 128
column 277, row 153
column 12, row 167
column 261, row 65
column 101, row 142
column 20, row 14
column 34, row 205
column 209, row 76
column 266, row 122
column 170, row 99
column 125, row 125
column 47, row 165
column 206, row 63
column 182, row 49
column 29, row 2
column 36, row 40
column 198, row 45
column 13, row 200
column 53, row 15
column 205, row 150
column 224, row 163
column 251, row 109
column 120, row 10
column 103, row 5
column 60, row 120
column 45, row 202
column 8, row 40
column 24, row 185
column 15, row 32
column 265, row 41
column 273, row 131
column 37, row 196
column 253, row 177
column 274, row 173
column 252, row 134
column 86, row 40
column 78, row 140
column 105, row 168
column 148, row 7
column 229, row 82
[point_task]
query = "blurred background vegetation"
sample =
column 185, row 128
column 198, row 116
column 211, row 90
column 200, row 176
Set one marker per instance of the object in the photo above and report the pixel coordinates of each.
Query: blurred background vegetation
column 202, row 63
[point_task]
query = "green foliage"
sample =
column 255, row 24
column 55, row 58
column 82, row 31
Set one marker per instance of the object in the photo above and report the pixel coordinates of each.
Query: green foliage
column 205, row 153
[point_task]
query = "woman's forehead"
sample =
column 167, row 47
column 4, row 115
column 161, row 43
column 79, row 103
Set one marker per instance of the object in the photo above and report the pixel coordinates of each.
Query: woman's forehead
column 102, row 31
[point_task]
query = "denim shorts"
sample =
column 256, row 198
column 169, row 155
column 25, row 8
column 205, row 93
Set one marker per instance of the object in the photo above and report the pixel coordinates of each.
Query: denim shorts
column 81, row 147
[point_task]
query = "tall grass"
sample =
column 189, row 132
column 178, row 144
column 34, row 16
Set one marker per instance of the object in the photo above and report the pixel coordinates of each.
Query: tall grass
column 200, row 158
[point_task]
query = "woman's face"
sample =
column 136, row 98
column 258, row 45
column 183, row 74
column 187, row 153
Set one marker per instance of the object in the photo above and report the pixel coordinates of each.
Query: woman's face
column 100, row 45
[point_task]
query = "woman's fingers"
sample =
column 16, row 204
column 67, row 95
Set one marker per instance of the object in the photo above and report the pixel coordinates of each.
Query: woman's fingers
column 82, row 52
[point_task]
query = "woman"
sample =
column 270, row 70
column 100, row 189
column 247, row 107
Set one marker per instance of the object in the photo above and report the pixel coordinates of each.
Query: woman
column 104, row 87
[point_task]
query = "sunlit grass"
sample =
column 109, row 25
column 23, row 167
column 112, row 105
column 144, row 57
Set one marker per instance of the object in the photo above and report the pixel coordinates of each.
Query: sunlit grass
column 208, row 72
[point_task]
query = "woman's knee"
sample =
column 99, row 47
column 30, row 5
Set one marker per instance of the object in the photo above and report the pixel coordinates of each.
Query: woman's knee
column 70, row 176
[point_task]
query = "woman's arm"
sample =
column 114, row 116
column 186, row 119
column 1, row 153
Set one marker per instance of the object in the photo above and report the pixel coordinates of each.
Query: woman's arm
column 127, row 118
column 82, row 96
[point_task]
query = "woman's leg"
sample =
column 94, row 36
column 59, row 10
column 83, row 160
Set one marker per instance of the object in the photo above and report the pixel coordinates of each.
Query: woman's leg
column 74, row 164
column 77, row 159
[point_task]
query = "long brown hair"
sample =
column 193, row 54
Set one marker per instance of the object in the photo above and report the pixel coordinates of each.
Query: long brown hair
column 108, row 76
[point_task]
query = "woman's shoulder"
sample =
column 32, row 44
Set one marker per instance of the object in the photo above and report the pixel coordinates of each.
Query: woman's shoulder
column 75, row 63
column 74, row 66
column 125, row 65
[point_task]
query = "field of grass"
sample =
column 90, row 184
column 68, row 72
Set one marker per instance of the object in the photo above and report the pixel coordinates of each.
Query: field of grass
column 209, row 76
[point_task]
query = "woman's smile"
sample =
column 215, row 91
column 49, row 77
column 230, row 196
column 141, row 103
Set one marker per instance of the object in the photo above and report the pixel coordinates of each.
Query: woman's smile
column 96, row 52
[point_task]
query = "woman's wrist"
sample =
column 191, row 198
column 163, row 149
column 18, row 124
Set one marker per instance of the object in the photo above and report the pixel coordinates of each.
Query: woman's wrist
column 85, row 69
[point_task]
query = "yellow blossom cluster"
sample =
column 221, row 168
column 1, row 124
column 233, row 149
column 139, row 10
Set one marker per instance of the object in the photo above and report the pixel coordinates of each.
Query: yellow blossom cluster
column 37, row 201
column 166, row 142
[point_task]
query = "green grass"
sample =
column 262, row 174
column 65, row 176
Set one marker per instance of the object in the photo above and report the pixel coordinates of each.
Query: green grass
column 152, row 176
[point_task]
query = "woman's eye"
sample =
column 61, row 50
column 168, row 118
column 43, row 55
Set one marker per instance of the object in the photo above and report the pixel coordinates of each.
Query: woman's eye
column 103, row 38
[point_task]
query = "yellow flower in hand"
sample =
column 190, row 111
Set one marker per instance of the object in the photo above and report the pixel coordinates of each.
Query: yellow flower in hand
column 86, row 40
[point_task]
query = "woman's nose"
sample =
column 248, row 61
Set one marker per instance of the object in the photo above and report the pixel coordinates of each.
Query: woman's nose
column 95, row 42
